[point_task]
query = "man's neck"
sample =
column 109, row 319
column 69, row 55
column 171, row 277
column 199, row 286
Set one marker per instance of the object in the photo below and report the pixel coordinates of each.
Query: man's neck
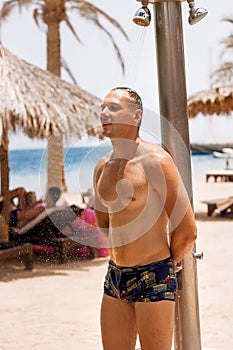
column 124, row 148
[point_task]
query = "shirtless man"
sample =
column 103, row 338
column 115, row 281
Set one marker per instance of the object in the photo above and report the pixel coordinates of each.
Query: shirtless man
column 138, row 192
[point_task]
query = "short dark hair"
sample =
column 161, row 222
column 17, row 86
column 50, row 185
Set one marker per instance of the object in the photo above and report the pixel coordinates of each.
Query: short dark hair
column 30, row 199
column 133, row 94
column 55, row 193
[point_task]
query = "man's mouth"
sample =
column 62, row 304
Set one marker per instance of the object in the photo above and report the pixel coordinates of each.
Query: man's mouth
column 104, row 125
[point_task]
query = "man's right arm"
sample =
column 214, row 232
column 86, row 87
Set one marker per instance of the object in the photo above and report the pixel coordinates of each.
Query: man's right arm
column 101, row 212
column 102, row 217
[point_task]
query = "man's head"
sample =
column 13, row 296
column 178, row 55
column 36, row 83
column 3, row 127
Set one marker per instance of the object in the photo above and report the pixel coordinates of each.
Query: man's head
column 29, row 199
column 134, row 97
column 53, row 195
column 121, row 113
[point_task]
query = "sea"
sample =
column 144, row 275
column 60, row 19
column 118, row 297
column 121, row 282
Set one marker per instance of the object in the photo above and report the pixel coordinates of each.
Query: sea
column 28, row 167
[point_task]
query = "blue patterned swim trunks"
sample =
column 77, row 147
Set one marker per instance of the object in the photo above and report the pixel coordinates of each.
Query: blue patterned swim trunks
column 147, row 283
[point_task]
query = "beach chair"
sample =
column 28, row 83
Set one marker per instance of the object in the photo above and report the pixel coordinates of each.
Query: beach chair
column 223, row 205
column 24, row 252
column 45, row 233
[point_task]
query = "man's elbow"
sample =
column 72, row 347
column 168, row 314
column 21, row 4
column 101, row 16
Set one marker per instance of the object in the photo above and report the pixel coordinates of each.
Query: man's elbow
column 194, row 233
column 191, row 236
column 103, row 227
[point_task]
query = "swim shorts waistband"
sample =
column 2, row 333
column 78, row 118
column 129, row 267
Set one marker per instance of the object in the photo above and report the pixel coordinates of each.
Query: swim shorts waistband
column 136, row 267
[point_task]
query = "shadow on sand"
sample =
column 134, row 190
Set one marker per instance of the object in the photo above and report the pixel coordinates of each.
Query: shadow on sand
column 44, row 266
column 202, row 216
column 48, row 265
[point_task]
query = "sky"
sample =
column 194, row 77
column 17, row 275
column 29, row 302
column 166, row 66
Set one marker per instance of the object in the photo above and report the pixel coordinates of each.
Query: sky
column 96, row 69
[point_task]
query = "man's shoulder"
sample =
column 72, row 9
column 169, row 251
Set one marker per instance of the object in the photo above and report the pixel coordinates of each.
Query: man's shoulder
column 155, row 153
column 103, row 160
column 157, row 164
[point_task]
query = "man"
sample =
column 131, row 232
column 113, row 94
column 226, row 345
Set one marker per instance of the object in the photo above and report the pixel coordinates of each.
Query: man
column 138, row 194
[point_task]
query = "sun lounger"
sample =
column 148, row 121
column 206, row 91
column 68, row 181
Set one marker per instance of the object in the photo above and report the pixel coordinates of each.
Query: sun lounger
column 23, row 252
column 46, row 231
column 223, row 205
column 225, row 175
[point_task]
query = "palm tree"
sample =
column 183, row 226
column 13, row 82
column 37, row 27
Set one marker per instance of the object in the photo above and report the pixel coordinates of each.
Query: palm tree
column 52, row 13
column 224, row 74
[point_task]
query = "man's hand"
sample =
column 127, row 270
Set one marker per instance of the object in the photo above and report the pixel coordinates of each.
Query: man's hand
column 178, row 266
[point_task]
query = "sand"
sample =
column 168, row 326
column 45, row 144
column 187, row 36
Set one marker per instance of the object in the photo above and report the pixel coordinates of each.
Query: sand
column 57, row 306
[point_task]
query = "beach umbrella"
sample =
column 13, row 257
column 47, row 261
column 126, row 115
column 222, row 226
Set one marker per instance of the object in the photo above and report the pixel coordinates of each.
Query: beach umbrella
column 218, row 101
column 41, row 105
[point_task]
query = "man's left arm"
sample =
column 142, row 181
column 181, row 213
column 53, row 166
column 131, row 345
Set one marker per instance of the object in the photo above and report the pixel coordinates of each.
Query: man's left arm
column 182, row 227
column 163, row 176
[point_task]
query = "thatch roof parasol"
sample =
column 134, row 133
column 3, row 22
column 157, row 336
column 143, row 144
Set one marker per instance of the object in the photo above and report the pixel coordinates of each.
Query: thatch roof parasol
column 214, row 101
column 40, row 104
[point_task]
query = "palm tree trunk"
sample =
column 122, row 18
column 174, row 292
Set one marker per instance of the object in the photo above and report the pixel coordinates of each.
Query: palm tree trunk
column 55, row 163
column 55, row 159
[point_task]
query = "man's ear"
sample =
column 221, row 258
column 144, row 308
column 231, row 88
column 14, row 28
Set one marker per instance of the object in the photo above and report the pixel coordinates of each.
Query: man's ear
column 138, row 116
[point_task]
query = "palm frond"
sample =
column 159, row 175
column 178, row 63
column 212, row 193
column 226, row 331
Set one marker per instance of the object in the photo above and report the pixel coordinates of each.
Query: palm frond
column 226, row 19
column 119, row 56
column 70, row 26
column 68, row 70
column 223, row 75
column 228, row 42
column 37, row 15
column 89, row 11
column 9, row 6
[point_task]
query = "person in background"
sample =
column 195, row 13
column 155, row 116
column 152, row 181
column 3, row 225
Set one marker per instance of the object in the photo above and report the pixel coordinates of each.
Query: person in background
column 20, row 199
column 88, row 214
column 29, row 208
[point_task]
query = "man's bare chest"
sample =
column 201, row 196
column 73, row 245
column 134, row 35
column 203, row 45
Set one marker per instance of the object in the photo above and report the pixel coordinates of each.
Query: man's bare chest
column 122, row 181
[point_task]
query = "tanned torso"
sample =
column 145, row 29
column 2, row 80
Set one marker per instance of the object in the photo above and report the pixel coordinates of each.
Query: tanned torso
column 129, row 189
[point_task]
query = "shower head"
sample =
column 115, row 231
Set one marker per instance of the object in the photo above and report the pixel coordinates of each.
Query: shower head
column 142, row 16
column 195, row 13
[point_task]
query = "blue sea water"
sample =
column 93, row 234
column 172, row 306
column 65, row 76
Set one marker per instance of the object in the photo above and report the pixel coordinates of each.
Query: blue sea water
column 28, row 167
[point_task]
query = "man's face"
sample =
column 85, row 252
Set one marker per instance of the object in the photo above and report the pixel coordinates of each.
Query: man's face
column 117, row 114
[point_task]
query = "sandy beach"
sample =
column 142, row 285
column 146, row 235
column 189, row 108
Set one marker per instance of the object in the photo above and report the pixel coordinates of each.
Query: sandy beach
column 57, row 306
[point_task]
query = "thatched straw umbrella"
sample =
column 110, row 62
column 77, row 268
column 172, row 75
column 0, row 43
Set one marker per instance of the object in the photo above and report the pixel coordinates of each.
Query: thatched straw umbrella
column 214, row 101
column 41, row 105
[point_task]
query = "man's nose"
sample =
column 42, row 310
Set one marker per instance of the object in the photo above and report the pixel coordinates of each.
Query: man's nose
column 105, row 114
column 105, row 110
column 105, row 118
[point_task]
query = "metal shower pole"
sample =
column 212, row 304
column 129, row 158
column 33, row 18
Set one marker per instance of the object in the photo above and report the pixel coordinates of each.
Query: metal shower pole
column 173, row 110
